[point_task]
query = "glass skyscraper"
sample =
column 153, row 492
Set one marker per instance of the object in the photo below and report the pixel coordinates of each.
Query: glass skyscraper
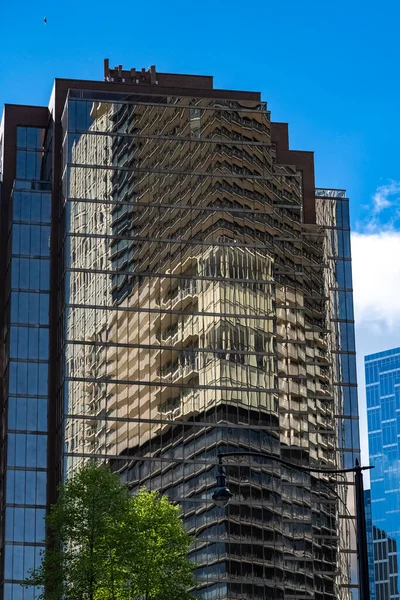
column 189, row 291
column 382, row 373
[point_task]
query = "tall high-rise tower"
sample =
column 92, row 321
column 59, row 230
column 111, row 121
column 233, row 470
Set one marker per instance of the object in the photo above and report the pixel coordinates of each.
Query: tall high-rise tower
column 189, row 292
column 382, row 377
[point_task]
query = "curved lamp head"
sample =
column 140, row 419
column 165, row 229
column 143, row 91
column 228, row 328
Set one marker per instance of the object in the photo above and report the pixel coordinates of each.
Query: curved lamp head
column 222, row 493
column 221, row 496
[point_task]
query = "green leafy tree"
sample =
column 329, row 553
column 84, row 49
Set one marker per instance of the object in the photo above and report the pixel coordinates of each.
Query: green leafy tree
column 157, row 563
column 104, row 544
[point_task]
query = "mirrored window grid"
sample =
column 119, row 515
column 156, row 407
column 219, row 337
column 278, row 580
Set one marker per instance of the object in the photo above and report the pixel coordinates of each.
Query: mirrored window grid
column 30, row 153
column 195, row 321
column 27, row 377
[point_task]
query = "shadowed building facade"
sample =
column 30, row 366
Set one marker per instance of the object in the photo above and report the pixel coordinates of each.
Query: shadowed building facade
column 201, row 301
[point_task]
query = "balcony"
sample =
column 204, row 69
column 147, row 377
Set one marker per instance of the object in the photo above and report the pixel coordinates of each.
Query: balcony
column 188, row 403
column 180, row 370
column 168, row 333
column 187, row 290
column 288, row 333
column 180, row 332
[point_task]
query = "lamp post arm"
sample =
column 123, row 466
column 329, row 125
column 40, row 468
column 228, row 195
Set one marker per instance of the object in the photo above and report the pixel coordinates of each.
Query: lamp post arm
column 282, row 461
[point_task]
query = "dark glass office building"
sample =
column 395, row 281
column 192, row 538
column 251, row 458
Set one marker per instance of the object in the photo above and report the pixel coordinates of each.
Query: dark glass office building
column 370, row 543
column 176, row 286
column 382, row 372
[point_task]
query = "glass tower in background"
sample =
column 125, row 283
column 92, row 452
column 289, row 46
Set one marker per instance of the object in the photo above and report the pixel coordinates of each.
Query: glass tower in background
column 382, row 374
column 195, row 297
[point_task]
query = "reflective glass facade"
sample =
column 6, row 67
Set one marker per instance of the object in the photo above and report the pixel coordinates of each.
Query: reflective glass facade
column 370, row 543
column 382, row 373
column 26, row 366
column 197, row 308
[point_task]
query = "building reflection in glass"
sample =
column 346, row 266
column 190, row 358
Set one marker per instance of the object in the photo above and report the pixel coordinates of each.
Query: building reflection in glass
column 200, row 314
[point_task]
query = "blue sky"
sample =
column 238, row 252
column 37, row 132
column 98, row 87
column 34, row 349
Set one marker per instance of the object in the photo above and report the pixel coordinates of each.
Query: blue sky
column 328, row 68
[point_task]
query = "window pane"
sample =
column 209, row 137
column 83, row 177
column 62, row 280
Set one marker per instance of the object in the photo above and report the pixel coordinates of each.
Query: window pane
column 41, row 488
column 46, row 207
column 20, row 487
column 31, row 414
column 33, row 343
column 25, row 206
column 40, row 525
column 33, row 300
column 10, row 484
column 9, row 525
column 33, row 379
column 19, row 525
column 17, row 206
column 44, row 309
column 20, row 450
column 44, row 275
column 43, row 379
column 33, row 137
column 35, row 240
column 21, row 137
column 43, row 344
column 25, row 239
column 8, row 562
column 15, row 239
column 21, row 164
column 22, row 378
column 31, row 477
column 30, row 522
column 45, row 241
column 24, row 272
column 35, row 207
column 42, row 451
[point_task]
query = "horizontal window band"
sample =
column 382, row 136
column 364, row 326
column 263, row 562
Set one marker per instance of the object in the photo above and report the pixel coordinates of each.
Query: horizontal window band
column 176, row 276
column 204, row 244
column 24, row 468
column 207, row 174
column 19, row 505
column 44, row 361
column 207, row 462
column 291, row 273
column 29, row 325
column 186, row 349
column 87, row 96
column 159, row 311
column 182, row 140
column 28, row 431
column 30, row 544
column 30, row 255
column 161, row 384
column 208, row 425
column 27, row 396
column 271, row 208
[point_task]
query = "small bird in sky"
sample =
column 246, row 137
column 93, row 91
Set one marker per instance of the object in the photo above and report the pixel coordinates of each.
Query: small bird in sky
column 45, row 20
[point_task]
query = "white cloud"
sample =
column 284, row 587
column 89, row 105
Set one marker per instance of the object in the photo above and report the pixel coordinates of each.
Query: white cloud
column 376, row 279
column 376, row 284
column 383, row 197
column 383, row 213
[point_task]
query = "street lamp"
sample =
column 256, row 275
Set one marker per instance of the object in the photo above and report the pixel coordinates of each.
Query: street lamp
column 222, row 495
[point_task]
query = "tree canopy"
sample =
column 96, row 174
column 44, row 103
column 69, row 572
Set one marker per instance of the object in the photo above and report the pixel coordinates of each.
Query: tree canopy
column 105, row 544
